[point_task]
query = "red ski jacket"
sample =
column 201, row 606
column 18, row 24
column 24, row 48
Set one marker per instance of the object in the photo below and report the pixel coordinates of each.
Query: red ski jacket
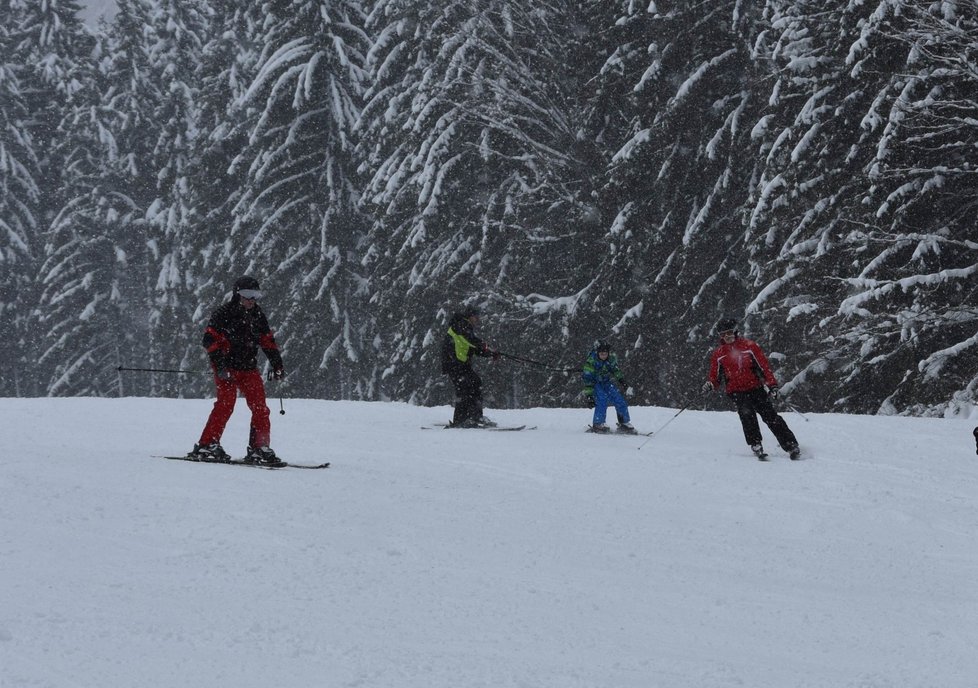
column 740, row 367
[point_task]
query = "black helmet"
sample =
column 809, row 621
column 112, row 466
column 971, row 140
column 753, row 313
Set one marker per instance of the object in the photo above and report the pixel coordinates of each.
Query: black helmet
column 249, row 285
column 603, row 346
column 726, row 325
column 471, row 312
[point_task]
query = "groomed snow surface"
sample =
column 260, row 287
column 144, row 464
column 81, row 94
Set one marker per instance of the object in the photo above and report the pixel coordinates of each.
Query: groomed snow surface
column 548, row 558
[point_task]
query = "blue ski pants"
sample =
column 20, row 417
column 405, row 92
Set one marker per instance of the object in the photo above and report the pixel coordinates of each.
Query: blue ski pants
column 606, row 394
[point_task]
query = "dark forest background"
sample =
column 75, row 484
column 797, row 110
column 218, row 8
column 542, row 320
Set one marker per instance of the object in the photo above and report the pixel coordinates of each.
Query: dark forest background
column 613, row 169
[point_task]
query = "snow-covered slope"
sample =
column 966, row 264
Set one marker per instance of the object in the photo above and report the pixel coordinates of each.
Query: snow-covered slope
column 461, row 559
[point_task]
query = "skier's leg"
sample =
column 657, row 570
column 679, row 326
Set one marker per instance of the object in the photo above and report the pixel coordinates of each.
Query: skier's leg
column 778, row 426
column 621, row 406
column 748, row 419
column 253, row 389
column 227, row 394
column 476, row 395
column 600, row 404
column 458, row 382
column 468, row 387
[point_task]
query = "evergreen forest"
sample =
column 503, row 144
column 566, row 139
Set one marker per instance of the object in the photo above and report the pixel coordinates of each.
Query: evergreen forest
column 622, row 170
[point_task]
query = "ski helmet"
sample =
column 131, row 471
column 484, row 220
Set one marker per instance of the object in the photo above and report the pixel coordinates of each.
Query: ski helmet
column 603, row 347
column 726, row 325
column 471, row 312
column 248, row 287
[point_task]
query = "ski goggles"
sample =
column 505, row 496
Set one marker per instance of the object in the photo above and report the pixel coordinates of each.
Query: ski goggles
column 252, row 294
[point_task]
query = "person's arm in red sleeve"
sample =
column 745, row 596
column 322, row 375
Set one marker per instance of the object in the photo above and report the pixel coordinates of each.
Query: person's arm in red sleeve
column 714, row 376
column 217, row 345
column 765, row 367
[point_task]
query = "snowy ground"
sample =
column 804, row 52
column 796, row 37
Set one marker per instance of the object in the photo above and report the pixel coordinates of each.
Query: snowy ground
column 459, row 559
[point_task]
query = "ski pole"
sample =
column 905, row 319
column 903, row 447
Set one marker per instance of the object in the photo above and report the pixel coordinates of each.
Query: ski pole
column 158, row 370
column 653, row 434
column 791, row 408
column 281, row 404
column 538, row 363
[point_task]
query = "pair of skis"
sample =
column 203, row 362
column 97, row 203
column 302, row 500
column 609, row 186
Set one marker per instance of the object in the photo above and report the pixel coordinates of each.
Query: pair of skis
column 624, row 433
column 497, row 428
column 242, row 462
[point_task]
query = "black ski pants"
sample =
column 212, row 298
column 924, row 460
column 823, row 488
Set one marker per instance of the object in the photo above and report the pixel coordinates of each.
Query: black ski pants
column 468, row 390
column 754, row 403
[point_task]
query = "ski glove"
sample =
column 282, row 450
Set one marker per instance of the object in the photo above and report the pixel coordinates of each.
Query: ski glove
column 772, row 393
column 589, row 400
column 223, row 374
column 278, row 374
column 707, row 386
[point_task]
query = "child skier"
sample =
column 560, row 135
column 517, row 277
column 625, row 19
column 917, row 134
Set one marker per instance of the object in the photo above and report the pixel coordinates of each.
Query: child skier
column 601, row 371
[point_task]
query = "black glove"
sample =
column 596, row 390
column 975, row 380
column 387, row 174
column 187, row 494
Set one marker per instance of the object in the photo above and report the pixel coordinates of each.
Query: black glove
column 772, row 393
column 223, row 374
column 278, row 373
column 708, row 387
column 589, row 400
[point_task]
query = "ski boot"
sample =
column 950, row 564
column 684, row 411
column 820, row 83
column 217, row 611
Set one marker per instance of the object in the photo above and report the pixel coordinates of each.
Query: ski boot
column 794, row 453
column 209, row 453
column 483, row 422
column 599, row 428
column 975, row 433
column 627, row 429
column 758, row 452
column 262, row 456
column 463, row 424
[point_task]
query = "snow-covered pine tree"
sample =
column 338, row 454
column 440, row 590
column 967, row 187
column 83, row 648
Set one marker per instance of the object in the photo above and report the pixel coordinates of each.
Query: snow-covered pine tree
column 811, row 148
column 685, row 77
column 226, row 69
column 20, row 247
column 81, row 310
column 479, row 172
column 864, row 272
column 910, row 312
column 561, row 203
column 129, row 99
column 53, row 50
column 297, row 228
column 178, row 30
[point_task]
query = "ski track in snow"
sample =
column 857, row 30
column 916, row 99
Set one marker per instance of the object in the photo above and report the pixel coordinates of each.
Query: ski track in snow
column 551, row 558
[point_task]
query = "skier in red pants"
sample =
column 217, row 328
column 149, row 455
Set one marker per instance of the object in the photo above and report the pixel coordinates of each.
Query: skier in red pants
column 234, row 333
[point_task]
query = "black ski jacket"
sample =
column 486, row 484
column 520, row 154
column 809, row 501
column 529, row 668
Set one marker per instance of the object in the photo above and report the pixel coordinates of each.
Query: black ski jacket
column 234, row 334
column 459, row 345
